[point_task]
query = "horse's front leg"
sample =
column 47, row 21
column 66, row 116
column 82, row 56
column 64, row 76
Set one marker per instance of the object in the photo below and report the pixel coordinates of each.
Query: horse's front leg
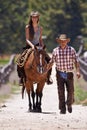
column 38, row 101
column 39, row 96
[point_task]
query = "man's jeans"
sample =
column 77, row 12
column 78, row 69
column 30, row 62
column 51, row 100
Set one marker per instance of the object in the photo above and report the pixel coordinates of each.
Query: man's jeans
column 65, row 81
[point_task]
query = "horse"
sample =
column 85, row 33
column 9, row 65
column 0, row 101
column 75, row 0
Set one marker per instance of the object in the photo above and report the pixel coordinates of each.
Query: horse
column 36, row 73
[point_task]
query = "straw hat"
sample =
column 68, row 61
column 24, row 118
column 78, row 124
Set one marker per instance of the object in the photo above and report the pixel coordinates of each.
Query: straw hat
column 34, row 13
column 63, row 37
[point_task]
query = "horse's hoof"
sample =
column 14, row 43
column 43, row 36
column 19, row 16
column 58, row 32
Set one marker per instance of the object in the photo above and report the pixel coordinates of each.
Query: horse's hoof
column 34, row 107
column 29, row 110
column 39, row 110
column 32, row 110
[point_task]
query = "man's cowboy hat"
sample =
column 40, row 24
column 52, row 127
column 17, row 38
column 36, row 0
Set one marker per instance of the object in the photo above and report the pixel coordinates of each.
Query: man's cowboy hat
column 62, row 37
column 34, row 13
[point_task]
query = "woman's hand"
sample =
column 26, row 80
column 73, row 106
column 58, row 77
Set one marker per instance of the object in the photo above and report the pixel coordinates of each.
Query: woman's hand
column 33, row 47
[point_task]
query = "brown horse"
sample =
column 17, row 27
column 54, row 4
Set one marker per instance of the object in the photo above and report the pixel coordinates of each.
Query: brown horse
column 36, row 72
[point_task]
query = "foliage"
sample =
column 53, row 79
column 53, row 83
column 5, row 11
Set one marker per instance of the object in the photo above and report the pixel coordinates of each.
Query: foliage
column 12, row 25
column 59, row 16
column 3, row 62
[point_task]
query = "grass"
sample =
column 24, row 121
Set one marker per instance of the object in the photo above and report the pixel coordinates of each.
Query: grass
column 80, row 92
column 14, row 90
column 80, row 95
column 4, row 97
column 3, row 61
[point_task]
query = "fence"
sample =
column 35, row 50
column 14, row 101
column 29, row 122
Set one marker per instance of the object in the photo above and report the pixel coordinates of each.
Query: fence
column 83, row 64
column 6, row 70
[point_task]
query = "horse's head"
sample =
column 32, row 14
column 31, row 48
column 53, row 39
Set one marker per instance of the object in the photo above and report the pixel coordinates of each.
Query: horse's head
column 39, row 59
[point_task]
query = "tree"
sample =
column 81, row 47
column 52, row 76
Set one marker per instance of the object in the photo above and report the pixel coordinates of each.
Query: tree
column 59, row 16
column 13, row 17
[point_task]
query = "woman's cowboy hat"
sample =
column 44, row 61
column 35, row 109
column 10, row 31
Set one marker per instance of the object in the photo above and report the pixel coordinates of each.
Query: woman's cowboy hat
column 62, row 37
column 34, row 13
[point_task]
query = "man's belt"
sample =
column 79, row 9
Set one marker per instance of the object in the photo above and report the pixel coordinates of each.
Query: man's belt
column 66, row 71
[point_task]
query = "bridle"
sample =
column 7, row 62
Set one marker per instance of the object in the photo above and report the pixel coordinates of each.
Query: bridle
column 39, row 53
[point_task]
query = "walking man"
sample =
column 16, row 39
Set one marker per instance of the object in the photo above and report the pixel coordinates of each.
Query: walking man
column 65, row 58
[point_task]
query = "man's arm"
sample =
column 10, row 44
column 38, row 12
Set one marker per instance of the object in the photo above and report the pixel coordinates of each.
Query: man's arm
column 49, row 65
column 77, row 66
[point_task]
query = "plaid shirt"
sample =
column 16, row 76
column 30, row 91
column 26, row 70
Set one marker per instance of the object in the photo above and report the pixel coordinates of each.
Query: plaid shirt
column 64, row 58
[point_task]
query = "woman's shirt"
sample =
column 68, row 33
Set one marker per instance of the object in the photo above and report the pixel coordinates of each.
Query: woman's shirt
column 36, row 36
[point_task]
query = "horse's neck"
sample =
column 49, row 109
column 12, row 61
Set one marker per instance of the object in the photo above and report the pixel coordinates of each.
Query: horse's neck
column 29, row 61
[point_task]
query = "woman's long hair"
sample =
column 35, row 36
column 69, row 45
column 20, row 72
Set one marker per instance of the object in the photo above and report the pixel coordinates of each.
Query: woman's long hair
column 31, row 29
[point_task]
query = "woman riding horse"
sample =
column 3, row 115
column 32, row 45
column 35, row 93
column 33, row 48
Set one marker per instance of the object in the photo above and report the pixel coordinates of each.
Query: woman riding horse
column 34, row 38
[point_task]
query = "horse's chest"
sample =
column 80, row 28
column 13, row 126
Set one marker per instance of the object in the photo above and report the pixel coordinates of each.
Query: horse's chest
column 36, row 77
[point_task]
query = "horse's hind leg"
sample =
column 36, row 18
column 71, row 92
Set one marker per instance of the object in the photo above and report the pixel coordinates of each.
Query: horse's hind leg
column 28, row 89
column 23, row 88
column 30, row 104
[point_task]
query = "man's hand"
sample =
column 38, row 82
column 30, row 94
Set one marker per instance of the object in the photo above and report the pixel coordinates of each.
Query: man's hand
column 78, row 75
column 49, row 66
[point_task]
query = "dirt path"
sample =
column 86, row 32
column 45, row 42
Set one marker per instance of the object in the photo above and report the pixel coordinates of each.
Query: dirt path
column 16, row 117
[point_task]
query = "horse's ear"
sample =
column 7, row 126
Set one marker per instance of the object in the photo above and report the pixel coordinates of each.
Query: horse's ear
column 44, row 47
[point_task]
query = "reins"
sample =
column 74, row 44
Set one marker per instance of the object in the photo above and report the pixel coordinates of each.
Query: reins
column 39, row 67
